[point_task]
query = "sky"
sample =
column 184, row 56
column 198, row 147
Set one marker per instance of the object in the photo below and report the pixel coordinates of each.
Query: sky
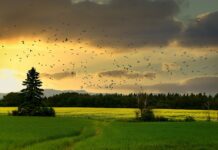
column 111, row 46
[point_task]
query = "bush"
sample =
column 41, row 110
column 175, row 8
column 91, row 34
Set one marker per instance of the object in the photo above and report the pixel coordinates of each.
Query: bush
column 147, row 115
column 14, row 113
column 189, row 119
column 137, row 115
column 161, row 119
column 37, row 111
column 208, row 117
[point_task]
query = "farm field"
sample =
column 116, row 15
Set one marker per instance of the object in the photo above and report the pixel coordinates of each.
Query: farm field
column 66, row 133
column 124, row 113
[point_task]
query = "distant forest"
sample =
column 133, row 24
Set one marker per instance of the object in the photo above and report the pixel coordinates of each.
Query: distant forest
column 170, row 101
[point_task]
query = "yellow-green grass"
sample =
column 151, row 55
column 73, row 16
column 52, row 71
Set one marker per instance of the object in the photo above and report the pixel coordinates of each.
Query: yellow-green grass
column 124, row 113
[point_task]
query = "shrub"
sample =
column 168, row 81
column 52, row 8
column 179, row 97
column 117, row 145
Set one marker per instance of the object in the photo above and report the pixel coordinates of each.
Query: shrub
column 147, row 115
column 37, row 111
column 161, row 119
column 189, row 119
column 208, row 118
column 137, row 115
column 14, row 113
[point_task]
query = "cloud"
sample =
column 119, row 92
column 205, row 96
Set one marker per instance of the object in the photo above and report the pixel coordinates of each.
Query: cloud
column 114, row 23
column 196, row 85
column 203, row 32
column 126, row 74
column 59, row 76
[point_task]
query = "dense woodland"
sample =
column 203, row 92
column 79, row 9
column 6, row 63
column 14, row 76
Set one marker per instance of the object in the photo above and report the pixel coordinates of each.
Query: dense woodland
column 173, row 101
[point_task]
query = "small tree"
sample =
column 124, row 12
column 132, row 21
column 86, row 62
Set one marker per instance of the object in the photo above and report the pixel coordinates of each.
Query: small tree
column 33, row 104
column 145, row 113
column 207, row 105
column 142, row 102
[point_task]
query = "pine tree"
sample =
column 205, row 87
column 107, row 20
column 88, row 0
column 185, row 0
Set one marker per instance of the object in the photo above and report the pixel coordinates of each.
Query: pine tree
column 33, row 93
column 33, row 104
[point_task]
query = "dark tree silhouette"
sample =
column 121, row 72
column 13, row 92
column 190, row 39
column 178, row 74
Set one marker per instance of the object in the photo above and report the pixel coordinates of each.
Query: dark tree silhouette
column 33, row 104
column 163, row 101
column 33, row 94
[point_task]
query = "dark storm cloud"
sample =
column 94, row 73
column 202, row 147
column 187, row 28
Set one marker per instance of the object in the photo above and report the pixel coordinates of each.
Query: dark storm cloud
column 204, row 32
column 126, row 74
column 117, row 23
column 59, row 76
column 195, row 85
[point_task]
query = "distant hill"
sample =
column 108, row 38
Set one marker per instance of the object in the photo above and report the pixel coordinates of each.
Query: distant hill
column 1, row 95
column 52, row 92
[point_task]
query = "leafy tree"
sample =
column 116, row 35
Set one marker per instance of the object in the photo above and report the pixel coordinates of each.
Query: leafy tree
column 145, row 112
column 142, row 102
column 33, row 102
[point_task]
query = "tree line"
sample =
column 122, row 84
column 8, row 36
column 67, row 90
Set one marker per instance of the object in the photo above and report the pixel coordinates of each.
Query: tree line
column 168, row 101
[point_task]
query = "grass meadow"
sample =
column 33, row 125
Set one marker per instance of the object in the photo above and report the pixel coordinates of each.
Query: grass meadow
column 70, row 133
column 87, row 129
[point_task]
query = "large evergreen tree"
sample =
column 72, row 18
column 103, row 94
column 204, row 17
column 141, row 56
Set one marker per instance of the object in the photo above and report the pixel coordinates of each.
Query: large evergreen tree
column 33, row 93
column 33, row 103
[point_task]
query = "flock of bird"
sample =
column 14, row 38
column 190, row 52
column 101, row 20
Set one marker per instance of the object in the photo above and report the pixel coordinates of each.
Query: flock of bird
column 84, row 58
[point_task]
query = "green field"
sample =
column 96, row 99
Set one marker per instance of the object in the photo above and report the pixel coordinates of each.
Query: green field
column 69, row 133
column 107, row 129
column 124, row 113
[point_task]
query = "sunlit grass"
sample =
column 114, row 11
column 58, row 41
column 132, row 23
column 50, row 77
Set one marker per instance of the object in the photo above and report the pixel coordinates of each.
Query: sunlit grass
column 124, row 113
